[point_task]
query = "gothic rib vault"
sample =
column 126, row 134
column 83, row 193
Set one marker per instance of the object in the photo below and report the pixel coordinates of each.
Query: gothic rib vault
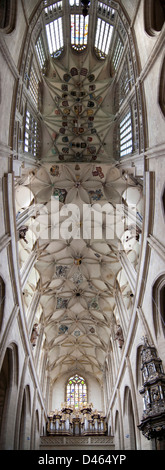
column 82, row 277
column 79, row 276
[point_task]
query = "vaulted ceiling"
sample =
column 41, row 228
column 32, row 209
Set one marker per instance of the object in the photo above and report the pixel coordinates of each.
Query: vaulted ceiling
column 78, row 246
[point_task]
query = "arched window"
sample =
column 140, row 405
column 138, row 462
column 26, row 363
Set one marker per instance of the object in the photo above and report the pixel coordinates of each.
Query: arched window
column 158, row 295
column 163, row 201
column 2, row 299
column 25, row 423
column 104, row 30
column 8, row 396
column 31, row 142
column 129, row 420
column 103, row 38
column 34, row 86
column 162, row 89
column 79, row 32
column 126, row 138
column 154, row 16
column 7, row 15
column 76, row 391
column 40, row 49
column 54, row 32
column 118, row 49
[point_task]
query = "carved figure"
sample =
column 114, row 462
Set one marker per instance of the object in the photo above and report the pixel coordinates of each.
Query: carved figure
column 22, row 233
column 119, row 336
column 34, row 335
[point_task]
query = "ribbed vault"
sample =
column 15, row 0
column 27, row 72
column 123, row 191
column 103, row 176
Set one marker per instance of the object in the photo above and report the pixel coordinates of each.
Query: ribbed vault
column 81, row 226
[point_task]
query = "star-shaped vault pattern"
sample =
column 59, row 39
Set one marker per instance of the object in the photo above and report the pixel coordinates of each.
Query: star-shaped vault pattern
column 78, row 123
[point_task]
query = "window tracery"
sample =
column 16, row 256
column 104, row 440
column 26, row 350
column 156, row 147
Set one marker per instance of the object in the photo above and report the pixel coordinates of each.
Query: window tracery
column 118, row 49
column 126, row 138
column 79, row 31
column 103, row 38
column 34, row 86
column 106, row 11
column 40, row 51
column 51, row 10
column 76, row 391
column 124, row 83
column 31, row 134
column 54, row 32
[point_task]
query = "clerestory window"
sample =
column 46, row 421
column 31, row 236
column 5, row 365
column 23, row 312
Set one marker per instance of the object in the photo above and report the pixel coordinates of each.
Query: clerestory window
column 124, row 83
column 73, row 3
column 54, row 32
column 126, row 140
column 34, row 86
column 52, row 10
column 79, row 32
column 106, row 11
column 31, row 136
column 40, row 51
column 103, row 38
column 76, row 391
column 117, row 53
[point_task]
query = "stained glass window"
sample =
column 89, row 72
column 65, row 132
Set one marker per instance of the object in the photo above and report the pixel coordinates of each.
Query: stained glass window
column 76, row 391
column 79, row 32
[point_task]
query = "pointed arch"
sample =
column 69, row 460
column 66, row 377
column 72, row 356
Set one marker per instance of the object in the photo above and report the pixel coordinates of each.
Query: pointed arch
column 7, row 16
column 154, row 16
column 117, row 431
column 129, row 422
column 25, row 424
column 161, row 97
column 36, row 431
column 8, row 396
column 76, row 391
column 2, row 299
column 158, row 307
